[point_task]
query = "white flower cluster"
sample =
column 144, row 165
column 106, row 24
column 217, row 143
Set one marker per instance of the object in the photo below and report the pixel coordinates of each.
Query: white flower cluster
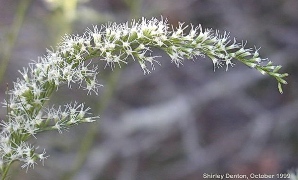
column 114, row 44
column 26, row 113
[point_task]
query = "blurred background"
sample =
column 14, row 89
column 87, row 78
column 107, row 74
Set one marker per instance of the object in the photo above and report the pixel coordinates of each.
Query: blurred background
column 176, row 123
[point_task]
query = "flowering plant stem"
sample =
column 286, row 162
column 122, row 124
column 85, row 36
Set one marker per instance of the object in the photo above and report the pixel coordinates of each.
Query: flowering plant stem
column 13, row 35
column 115, row 44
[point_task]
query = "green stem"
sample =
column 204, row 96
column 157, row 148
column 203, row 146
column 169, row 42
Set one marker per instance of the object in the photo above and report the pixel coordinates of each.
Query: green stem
column 6, row 171
column 13, row 35
column 89, row 138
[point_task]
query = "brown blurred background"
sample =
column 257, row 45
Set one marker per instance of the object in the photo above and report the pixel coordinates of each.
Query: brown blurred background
column 176, row 123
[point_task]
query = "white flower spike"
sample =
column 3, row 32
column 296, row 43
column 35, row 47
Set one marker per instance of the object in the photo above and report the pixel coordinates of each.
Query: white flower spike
column 114, row 44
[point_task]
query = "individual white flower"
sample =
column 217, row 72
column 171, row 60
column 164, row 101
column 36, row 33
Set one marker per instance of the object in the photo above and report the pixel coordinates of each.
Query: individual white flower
column 59, row 126
column 42, row 156
column 29, row 162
